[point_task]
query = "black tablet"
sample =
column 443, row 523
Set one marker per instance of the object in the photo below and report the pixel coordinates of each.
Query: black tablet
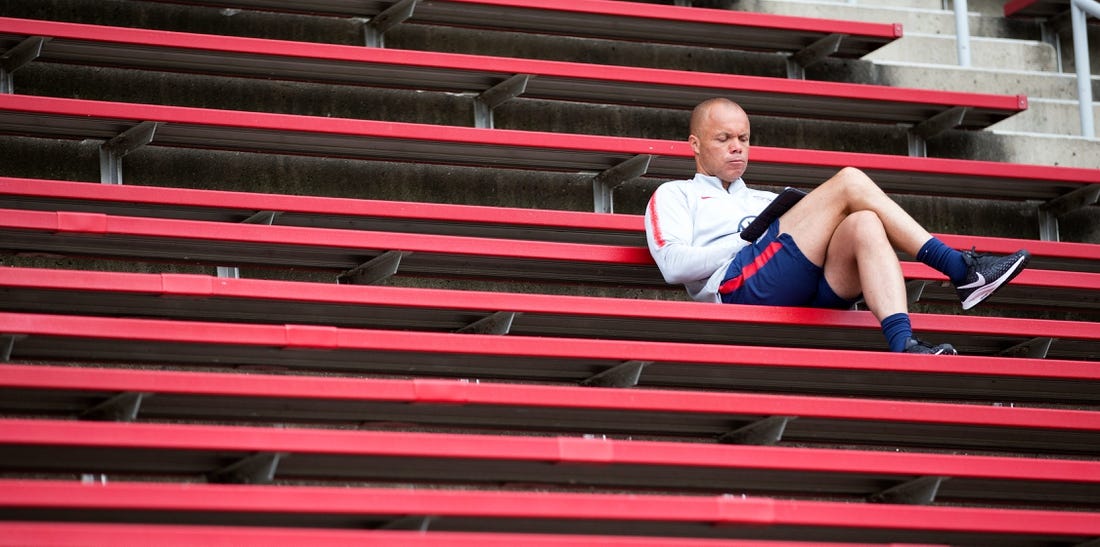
column 784, row 201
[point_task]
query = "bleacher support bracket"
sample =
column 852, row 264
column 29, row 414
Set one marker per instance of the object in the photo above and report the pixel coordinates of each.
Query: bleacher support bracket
column 811, row 55
column 1051, row 210
column 259, row 217
column 764, row 432
column 112, row 151
column 7, row 345
column 1036, row 348
column 15, row 58
column 914, row 290
column 374, row 270
column 375, row 29
column 258, row 468
column 497, row 95
column 497, row 323
column 123, row 407
column 625, row 374
column 920, row 491
column 604, row 184
column 417, row 523
column 920, row 133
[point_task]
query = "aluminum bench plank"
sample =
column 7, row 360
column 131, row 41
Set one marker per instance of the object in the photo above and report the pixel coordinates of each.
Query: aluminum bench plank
column 1035, row 8
column 329, row 212
column 366, row 351
column 79, row 534
column 140, row 238
column 612, row 20
column 232, row 56
column 433, row 218
column 193, row 451
column 540, row 512
column 198, row 128
column 377, row 404
column 196, row 297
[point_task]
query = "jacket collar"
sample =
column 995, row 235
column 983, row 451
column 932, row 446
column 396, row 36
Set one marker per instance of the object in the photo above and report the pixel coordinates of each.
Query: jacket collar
column 717, row 184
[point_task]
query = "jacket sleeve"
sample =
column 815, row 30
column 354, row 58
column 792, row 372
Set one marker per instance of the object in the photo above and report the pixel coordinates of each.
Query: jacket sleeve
column 669, row 229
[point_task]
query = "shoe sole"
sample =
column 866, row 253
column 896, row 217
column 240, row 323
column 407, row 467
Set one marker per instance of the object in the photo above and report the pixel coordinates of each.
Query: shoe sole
column 981, row 294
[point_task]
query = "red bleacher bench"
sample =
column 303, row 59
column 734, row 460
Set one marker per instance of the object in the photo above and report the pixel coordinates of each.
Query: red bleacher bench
column 197, row 128
column 82, row 338
column 209, row 298
column 96, row 393
column 349, row 65
column 366, row 139
column 310, row 455
column 1036, row 8
column 346, row 252
column 612, row 20
column 540, row 512
column 419, row 217
column 72, row 534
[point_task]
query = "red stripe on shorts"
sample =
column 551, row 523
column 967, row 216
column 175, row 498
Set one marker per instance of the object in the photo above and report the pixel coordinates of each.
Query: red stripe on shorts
column 734, row 283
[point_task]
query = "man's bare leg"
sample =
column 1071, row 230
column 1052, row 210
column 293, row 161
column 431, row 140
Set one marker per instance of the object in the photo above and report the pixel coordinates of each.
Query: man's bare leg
column 861, row 260
column 851, row 228
column 814, row 219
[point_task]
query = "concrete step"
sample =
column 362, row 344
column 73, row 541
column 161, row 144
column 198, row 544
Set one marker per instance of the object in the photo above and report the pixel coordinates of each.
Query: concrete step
column 920, row 17
column 1040, row 148
column 1036, row 85
column 1051, row 117
column 991, row 53
column 985, row 7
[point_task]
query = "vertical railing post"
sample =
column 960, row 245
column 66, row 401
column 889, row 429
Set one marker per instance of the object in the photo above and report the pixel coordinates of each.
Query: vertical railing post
column 1081, row 62
column 962, row 32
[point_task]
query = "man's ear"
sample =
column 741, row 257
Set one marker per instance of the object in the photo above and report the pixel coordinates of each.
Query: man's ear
column 694, row 142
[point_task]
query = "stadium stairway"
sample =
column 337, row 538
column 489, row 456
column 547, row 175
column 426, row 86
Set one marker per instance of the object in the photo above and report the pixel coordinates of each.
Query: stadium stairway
column 318, row 307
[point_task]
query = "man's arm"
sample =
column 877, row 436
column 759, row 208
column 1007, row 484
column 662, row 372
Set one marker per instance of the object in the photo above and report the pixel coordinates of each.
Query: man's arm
column 670, row 232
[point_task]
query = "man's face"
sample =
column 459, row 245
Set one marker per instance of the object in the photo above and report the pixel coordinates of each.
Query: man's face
column 721, row 143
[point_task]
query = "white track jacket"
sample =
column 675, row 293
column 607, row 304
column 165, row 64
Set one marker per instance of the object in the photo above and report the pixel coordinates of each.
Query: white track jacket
column 692, row 227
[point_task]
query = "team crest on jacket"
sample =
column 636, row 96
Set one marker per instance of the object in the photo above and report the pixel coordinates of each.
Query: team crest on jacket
column 745, row 223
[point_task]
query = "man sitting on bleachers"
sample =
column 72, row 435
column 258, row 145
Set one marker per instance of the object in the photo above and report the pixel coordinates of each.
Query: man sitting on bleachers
column 837, row 243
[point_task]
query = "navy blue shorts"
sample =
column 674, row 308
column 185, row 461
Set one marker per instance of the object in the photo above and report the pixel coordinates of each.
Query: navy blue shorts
column 773, row 271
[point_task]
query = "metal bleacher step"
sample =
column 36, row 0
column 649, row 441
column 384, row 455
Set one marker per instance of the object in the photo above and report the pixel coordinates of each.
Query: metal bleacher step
column 194, row 452
column 499, row 79
column 604, row 19
column 377, row 404
column 416, row 217
column 366, row 139
column 182, row 535
column 428, row 255
column 652, row 515
column 319, row 348
column 208, row 298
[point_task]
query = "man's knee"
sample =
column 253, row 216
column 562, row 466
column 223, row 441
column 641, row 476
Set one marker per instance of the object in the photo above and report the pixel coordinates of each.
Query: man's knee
column 853, row 173
column 854, row 178
column 853, row 188
column 863, row 228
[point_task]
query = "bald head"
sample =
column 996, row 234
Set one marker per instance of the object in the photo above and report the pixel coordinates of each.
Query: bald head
column 720, row 139
column 704, row 110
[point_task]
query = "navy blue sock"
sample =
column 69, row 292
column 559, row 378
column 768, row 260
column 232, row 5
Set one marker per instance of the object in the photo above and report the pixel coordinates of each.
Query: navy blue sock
column 943, row 259
column 898, row 330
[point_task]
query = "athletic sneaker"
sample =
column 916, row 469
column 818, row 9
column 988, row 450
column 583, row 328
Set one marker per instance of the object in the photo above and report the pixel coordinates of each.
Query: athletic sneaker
column 986, row 273
column 916, row 346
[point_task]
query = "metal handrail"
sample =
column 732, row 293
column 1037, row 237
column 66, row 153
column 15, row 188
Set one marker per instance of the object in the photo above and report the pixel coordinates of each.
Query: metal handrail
column 1079, row 11
column 962, row 32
